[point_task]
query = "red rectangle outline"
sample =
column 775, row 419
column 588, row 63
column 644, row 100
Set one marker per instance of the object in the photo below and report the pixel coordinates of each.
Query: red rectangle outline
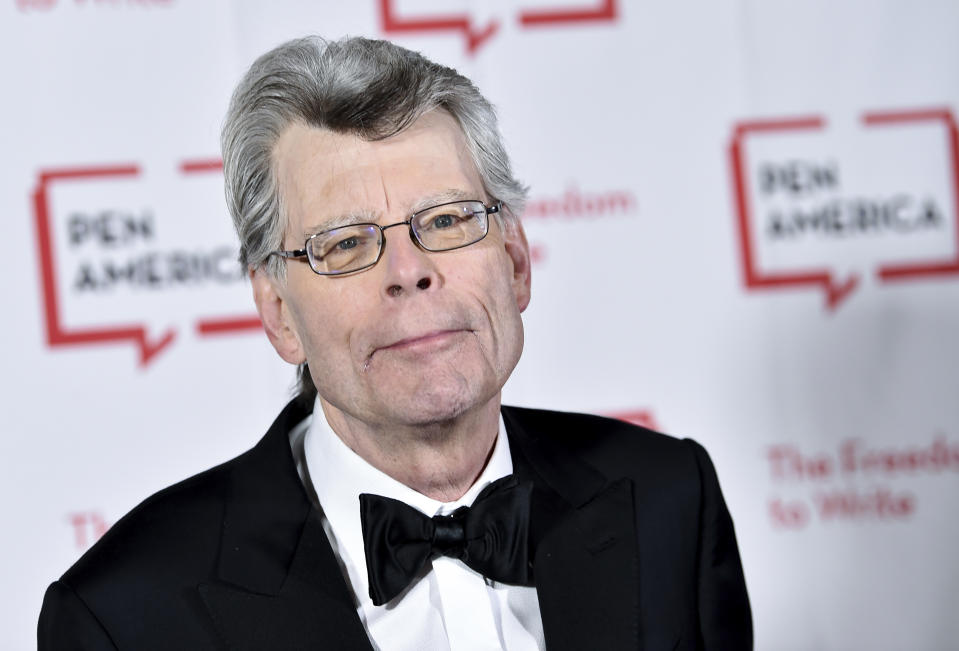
column 57, row 333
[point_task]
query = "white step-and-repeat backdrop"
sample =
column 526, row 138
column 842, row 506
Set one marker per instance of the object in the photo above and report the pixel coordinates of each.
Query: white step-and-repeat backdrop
column 774, row 187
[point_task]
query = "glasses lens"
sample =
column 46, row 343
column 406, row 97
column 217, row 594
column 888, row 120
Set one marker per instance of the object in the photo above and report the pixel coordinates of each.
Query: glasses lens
column 345, row 249
column 451, row 225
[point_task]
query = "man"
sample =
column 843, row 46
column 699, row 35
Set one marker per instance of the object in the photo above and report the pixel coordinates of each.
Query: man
column 378, row 216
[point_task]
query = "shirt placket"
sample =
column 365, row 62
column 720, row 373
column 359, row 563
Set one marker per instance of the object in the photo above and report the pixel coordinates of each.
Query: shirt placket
column 467, row 609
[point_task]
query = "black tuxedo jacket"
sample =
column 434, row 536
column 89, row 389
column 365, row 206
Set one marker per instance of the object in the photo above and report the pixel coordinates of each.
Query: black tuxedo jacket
column 633, row 549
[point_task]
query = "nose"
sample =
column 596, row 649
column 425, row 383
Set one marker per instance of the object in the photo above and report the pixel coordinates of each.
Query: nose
column 409, row 268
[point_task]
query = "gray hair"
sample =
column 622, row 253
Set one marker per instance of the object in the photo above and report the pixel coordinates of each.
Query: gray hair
column 368, row 88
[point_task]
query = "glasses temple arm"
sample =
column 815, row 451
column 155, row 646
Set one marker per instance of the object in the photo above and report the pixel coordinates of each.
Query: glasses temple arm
column 298, row 253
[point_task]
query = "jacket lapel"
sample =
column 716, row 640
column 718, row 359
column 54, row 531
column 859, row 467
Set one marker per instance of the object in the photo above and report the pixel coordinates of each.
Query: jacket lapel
column 586, row 564
column 279, row 583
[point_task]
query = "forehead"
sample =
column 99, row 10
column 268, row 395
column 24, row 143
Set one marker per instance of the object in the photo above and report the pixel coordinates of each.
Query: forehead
column 327, row 178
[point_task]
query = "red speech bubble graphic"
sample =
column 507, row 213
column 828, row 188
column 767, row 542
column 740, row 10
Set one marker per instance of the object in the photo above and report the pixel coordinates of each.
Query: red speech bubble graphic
column 475, row 36
column 218, row 265
column 835, row 289
column 57, row 333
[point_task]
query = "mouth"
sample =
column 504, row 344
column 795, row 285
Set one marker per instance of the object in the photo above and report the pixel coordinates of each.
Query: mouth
column 429, row 340
column 417, row 346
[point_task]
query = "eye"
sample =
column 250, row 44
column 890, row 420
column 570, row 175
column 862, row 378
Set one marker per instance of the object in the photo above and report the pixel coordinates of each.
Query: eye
column 443, row 221
column 342, row 243
column 347, row 244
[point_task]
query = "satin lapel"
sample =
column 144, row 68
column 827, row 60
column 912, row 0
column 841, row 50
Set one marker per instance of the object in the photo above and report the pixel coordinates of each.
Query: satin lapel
column 587, row 577
column 279, row 583
column 586, row 563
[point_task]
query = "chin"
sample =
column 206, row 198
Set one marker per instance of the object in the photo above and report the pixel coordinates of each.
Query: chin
column 439, row 406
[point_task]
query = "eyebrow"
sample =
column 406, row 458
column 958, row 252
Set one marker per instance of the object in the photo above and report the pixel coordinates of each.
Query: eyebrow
column 342, row 220
column 445, row 196
column 367, row 217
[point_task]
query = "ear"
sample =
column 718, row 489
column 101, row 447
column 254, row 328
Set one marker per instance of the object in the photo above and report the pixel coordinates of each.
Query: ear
column 517, row 248
column 275, row 316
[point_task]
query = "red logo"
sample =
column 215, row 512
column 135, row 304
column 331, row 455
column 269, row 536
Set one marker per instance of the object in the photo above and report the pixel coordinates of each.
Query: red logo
column 393, row 23
column 801, row 159
column 113, row 230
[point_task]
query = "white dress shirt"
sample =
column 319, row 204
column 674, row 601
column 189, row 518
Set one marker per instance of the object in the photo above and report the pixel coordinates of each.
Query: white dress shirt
column 449, row 606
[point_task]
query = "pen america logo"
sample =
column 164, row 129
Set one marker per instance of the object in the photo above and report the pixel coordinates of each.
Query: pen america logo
column 395, row 21
column 826, row 203
column 125, row 253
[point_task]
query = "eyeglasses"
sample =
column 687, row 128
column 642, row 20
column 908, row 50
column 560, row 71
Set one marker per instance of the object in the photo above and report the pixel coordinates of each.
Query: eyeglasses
column 347, row 249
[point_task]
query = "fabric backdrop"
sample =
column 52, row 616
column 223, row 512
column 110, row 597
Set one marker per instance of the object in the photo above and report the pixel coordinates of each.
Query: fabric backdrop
column 745, row 227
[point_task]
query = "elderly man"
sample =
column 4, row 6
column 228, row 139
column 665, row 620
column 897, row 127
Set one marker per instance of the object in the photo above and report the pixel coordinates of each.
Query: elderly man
column 395, row 504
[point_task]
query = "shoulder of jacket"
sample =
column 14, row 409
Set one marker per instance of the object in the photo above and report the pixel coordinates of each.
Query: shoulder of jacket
column 173, row 523
column 613, row 447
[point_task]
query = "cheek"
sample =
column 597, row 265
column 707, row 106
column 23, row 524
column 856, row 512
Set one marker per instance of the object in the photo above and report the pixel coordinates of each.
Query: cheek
column 495, row 291
column 322, row 328
column 501, row 284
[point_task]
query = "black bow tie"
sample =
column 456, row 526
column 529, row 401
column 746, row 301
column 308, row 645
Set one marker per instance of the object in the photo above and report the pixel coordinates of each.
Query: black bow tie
column 491, row 537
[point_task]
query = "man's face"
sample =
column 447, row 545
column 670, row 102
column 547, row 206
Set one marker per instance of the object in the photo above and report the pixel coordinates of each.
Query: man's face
column 421, row 337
